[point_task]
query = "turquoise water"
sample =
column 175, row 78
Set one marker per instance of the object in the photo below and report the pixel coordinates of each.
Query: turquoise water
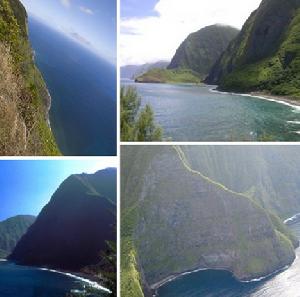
column 195, row 113
column 83, row 91
column 24, row 281
column 222, row 284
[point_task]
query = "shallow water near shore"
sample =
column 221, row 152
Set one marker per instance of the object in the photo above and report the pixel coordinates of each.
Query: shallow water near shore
column 212, row 283
column 197, row 113
column 25, row 281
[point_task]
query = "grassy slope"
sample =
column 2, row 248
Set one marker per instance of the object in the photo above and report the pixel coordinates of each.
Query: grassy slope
column 132, row 283
column 34, row 100
column 169, row 76
column 277, row 73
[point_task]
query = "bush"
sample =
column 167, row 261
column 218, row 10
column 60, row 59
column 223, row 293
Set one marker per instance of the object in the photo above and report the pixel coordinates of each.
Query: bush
column 137, row 125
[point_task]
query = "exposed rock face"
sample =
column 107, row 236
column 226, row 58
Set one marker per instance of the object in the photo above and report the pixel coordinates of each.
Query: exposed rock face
column 176, row 219
column 74, row 226
column 265, row 54
column 11, row 231
column 200, row 50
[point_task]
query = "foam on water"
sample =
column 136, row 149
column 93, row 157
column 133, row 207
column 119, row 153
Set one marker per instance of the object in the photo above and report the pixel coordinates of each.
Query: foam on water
column 295, row 107
column 92, row 284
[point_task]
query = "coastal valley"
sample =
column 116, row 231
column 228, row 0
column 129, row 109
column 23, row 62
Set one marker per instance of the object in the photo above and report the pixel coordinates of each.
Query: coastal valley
column 203, row 210
column 226, row 84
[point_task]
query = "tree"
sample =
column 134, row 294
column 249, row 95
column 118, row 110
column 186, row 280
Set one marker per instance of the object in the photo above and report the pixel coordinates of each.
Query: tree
column 136, row 124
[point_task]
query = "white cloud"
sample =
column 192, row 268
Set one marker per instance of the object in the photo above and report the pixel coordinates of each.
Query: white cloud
column 86, row 10
column 157, row 38
column 66, row 3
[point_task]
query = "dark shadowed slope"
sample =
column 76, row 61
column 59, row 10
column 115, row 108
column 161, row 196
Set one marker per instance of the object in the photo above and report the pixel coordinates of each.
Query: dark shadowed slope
column 72, row 229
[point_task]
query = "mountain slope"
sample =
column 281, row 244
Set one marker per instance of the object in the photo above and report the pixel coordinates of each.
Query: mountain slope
column 200, row 50
column 265, row 55
column 11, row 231
column 175, row 219
column 256, row 171
column 169, row 76
column 72, row 228
column 24, row 98
column 132, row 71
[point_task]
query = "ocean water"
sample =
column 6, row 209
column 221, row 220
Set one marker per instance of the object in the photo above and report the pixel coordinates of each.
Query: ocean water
column 195, row 113
column 83, row 91
column 212, row 283
column 24, row 281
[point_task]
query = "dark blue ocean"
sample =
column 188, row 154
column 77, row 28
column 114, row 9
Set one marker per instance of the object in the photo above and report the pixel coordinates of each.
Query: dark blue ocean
column 24, row 281
column 83, row 91
column 212, row 283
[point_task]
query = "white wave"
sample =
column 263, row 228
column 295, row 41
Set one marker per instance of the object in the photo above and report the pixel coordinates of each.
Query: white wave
column 266, row 276
column 294, row 217
column 3, row 260
column 172, row 278
column 92, row 284
column 294, row 122
column 295, row 107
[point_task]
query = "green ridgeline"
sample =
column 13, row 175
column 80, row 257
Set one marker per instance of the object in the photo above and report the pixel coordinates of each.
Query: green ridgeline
column 265, row 57
column 139, row 273
column 34, row 101
column 174, row 76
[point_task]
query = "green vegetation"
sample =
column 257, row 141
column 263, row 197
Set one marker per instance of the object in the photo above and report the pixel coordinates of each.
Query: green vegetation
column 194, row 58
column 176, row 218
column 200, row 50
column 136, row 124
column 274, row 67
column 24, row 99
column 174, row 76
column 11, row 231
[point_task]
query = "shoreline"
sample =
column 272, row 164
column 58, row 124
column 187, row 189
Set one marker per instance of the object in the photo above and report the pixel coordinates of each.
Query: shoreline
column 284, row 100
column 173, row 277
column 79, row 276
column 292, row 219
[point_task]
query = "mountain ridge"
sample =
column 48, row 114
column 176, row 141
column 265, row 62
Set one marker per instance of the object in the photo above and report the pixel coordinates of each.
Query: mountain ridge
column 11, row 231
column 162, row 199
column 265, row 55
column 78, row 222
column 201, row 49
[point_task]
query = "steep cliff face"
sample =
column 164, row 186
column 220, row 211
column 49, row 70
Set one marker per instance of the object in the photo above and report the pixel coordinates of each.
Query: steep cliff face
column 24, row 99
column 200, row 50
column 11, row 231
column 265, row 55
column 270, row 175
column 72, row 228
column 176, row 219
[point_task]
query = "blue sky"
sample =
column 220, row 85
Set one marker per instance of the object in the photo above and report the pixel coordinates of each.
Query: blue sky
column 27, row 185
column 138, row 8
column 152, row 30
column 92, row 23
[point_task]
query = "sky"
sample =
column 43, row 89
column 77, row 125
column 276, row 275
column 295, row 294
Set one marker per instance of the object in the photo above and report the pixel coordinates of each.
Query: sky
column 152, row 30
column 92, row 23
column 26, row 186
